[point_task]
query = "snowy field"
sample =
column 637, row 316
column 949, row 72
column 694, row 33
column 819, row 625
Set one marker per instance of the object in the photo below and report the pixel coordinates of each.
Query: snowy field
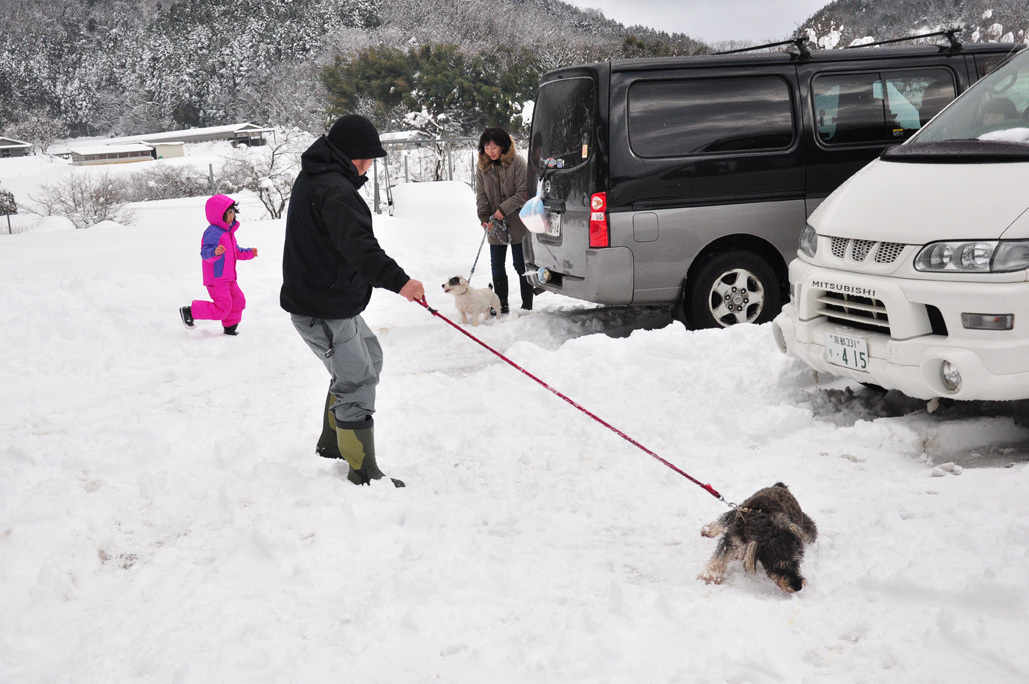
column 163, row 517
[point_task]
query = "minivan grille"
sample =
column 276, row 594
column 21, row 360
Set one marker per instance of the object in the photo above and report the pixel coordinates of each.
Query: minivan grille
column 861, row 248
column 858, row 312
column 886, row 253
column 839, row 247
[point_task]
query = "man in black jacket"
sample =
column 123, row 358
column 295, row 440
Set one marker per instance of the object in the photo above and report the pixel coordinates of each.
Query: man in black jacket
column 330, row 263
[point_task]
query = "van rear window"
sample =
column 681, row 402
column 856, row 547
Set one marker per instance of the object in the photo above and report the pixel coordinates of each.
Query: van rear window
column 679, row 118
column 562, row 123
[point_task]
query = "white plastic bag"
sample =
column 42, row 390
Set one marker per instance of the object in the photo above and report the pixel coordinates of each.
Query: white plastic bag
column 532, row 214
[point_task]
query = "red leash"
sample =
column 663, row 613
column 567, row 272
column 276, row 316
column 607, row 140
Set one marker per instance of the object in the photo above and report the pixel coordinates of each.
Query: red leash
column 706, row 487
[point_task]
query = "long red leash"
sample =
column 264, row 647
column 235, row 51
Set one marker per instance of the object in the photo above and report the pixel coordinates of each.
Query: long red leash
column 706, row 487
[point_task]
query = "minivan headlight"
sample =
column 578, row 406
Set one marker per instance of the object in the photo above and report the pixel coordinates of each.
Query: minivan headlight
column 809, row 241
column 968, row 256
column 1011, row 256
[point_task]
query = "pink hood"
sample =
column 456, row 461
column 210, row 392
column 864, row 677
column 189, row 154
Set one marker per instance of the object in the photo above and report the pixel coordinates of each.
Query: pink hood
column 215, row 209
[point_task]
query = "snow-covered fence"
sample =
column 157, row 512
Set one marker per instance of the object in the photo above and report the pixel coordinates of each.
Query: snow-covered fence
column 421, row 160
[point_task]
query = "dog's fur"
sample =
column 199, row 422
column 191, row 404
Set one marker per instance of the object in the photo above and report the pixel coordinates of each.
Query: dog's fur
column 472, row 303
column 768, row 527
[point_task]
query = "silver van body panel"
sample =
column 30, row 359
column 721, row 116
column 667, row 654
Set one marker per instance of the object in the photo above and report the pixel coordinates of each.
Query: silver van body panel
column 672, row 239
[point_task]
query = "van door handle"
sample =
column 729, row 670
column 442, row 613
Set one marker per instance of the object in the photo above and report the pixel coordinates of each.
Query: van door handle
column 555, row 205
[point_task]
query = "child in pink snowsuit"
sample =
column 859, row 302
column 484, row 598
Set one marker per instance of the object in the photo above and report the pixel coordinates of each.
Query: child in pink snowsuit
column 219, row 252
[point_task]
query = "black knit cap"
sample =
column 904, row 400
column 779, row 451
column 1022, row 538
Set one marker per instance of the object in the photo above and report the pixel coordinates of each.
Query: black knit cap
column 356, row 137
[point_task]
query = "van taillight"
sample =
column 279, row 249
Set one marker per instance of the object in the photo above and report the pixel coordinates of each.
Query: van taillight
column 599, row 236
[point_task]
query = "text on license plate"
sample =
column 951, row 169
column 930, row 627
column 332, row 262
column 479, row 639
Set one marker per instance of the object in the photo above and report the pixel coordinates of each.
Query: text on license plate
column 553, row 224
column 847, row 351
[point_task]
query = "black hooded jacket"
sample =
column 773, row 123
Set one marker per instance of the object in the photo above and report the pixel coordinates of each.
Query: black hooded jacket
column 331, row 259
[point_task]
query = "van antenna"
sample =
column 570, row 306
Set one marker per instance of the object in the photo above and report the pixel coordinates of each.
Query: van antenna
column 801, row 44
column 955, row 44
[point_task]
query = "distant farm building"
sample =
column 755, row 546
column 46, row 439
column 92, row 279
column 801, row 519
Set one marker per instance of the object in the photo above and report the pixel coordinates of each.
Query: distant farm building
column 241, row 133
column 9, row 147
column 164, row 145
column 167, row 150
column 111, row 154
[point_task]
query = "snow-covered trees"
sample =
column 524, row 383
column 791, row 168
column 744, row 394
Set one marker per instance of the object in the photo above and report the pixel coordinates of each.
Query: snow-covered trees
column 115, row 67
column 7, row 206
column 84, row 199
column 854, row 22
column 105, row 66
column 38, row 129
column 267, row 171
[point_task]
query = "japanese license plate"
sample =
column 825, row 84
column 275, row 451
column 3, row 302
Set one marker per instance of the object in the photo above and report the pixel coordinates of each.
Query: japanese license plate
column 847, row 351
column 553, row 224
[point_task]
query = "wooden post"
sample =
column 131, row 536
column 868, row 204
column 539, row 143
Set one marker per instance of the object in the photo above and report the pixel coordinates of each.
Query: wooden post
column 375, row 184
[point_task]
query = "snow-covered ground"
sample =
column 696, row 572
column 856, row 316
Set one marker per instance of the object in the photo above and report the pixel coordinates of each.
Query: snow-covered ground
column 163, row 517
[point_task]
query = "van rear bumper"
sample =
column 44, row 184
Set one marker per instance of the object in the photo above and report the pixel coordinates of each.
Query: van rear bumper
column 608, row 279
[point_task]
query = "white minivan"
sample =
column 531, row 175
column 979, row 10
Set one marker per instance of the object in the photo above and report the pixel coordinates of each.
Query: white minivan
column 914, row 274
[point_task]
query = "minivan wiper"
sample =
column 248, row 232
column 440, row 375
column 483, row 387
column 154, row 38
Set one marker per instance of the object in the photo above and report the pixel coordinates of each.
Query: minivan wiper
column 957, row 152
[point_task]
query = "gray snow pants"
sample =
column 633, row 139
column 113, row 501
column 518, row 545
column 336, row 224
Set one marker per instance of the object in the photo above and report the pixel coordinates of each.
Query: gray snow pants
column 352, row 355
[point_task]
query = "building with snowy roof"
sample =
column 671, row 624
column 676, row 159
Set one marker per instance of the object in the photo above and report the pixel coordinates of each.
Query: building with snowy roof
column 110, row 154
column 9, row 147
column 240, row 133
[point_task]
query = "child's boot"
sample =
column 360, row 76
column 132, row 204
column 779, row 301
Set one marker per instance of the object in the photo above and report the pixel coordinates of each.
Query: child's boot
column 231, row 329
column 358, row 448
column 186, row 313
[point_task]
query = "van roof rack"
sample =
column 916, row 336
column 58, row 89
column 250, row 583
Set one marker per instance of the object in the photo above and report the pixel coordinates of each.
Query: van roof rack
column 955, row 44
column 804, row 52
column 801, row 44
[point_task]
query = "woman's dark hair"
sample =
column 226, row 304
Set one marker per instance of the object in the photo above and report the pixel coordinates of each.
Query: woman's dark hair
column 495, row 135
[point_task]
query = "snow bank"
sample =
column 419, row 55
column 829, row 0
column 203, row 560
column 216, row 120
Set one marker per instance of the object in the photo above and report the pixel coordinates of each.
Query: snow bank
column 163, row 517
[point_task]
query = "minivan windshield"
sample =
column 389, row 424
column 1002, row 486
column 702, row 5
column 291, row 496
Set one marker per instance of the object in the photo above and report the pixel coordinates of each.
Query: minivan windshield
column 990, row 119
column 562, row 123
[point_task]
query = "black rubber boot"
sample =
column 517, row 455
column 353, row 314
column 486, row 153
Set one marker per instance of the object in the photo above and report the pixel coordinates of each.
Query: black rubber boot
column 358, row 448
column 327, row 446
column 230, row 329
column 526, row 289
column 500, row 287
column 186, row 313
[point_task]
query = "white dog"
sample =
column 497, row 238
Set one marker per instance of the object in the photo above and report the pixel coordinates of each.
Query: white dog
column 471, row 302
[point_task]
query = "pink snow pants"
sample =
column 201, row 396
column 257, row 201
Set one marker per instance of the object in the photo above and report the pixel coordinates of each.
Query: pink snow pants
column 227, row 306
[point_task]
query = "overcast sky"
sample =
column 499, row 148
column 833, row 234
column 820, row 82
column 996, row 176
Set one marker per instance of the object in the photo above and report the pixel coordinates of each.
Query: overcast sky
column 759, row 21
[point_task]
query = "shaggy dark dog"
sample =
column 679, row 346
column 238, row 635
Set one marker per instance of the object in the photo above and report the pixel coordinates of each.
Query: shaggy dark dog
column 769, row 528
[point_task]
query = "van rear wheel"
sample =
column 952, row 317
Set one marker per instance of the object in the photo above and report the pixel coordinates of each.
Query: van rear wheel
column 733, row 287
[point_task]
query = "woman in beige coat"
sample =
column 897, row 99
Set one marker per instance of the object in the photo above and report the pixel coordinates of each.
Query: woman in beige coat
column 500, row 192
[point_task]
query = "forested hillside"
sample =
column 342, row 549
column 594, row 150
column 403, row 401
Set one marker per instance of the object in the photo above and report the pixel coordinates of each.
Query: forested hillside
column 98, row 67
column 114, row 67
column 843, row 22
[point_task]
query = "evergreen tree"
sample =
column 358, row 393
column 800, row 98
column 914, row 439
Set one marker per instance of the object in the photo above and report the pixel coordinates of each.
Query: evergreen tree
column 7, row 206
column 464, row 93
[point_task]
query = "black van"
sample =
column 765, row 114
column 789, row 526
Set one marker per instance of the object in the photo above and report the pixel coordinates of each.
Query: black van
column 687, row 181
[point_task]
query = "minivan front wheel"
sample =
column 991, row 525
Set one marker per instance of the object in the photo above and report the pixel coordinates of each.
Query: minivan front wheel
column 733, row 287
